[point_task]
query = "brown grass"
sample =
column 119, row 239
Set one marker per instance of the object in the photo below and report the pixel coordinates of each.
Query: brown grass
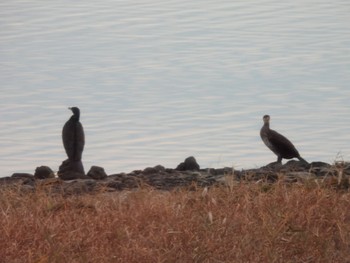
column 246, row 222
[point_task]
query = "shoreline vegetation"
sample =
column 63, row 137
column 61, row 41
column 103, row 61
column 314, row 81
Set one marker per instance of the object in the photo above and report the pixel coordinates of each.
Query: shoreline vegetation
column 277, row 213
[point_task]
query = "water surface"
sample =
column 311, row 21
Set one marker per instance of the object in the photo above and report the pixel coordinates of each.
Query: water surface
column 157, row 81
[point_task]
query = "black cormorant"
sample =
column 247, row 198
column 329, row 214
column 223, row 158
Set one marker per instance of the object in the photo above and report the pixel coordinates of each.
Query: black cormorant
column 277, row 143
column 73, row 136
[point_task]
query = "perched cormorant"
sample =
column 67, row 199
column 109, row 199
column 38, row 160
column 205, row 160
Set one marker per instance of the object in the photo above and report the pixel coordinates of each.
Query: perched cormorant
column 73, row 136
column 277, row 143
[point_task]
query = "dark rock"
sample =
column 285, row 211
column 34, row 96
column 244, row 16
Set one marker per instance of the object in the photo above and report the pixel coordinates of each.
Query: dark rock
column 293, row 164
column 190, row 163
column 9, row 180
column 136, row 172
column 121, row 181
column 153, row 170
column 150, row 170
column 170, row 170
column 220, row 171
column 79, row 187
column 259, row 174
column 72, row 176
column 187, row 175
column 18, row 179
column 272, row 166
column 97, row 173
column 321, row 169
column 180, row 167
column 117, row 185
column 43, row 172
column 320, row 165
column 120, row 175
column 70, row 170
column 25, row 178
column 159, row 168
column 211, row 171
column 22, row 175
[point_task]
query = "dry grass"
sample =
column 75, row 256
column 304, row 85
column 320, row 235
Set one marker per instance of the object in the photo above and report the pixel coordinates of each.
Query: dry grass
column 245, row 222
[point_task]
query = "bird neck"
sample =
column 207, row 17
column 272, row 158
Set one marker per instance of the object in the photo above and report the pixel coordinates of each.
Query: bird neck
column 75, row 117
column 267, row 125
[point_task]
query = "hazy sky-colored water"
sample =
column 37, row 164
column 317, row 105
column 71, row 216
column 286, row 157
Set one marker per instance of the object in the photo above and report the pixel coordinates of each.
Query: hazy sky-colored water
column 157, row 81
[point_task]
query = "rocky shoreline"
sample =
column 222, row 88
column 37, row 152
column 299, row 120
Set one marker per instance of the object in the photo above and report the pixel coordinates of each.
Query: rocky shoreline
column 187, row 174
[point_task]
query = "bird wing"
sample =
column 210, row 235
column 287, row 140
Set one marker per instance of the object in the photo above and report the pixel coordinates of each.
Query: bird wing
column 282, row 145
column 80, row 140
column 68, row 139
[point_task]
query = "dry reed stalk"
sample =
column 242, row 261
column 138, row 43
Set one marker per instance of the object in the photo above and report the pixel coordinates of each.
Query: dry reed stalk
column 236, row 223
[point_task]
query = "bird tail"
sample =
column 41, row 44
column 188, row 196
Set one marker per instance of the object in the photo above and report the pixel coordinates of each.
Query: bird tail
column 302, row 160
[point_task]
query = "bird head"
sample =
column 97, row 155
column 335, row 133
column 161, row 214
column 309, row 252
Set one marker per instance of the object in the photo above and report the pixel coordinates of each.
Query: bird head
column 76, row 111
column 266, row 118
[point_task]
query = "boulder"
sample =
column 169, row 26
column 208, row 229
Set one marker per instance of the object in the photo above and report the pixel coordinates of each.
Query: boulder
column 190, row 164
column 97, row 173
column 153, row 170
column 70, row 170
column 43, row 172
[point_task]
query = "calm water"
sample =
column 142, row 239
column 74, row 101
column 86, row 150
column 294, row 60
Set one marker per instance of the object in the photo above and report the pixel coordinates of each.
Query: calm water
column 157, row 81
